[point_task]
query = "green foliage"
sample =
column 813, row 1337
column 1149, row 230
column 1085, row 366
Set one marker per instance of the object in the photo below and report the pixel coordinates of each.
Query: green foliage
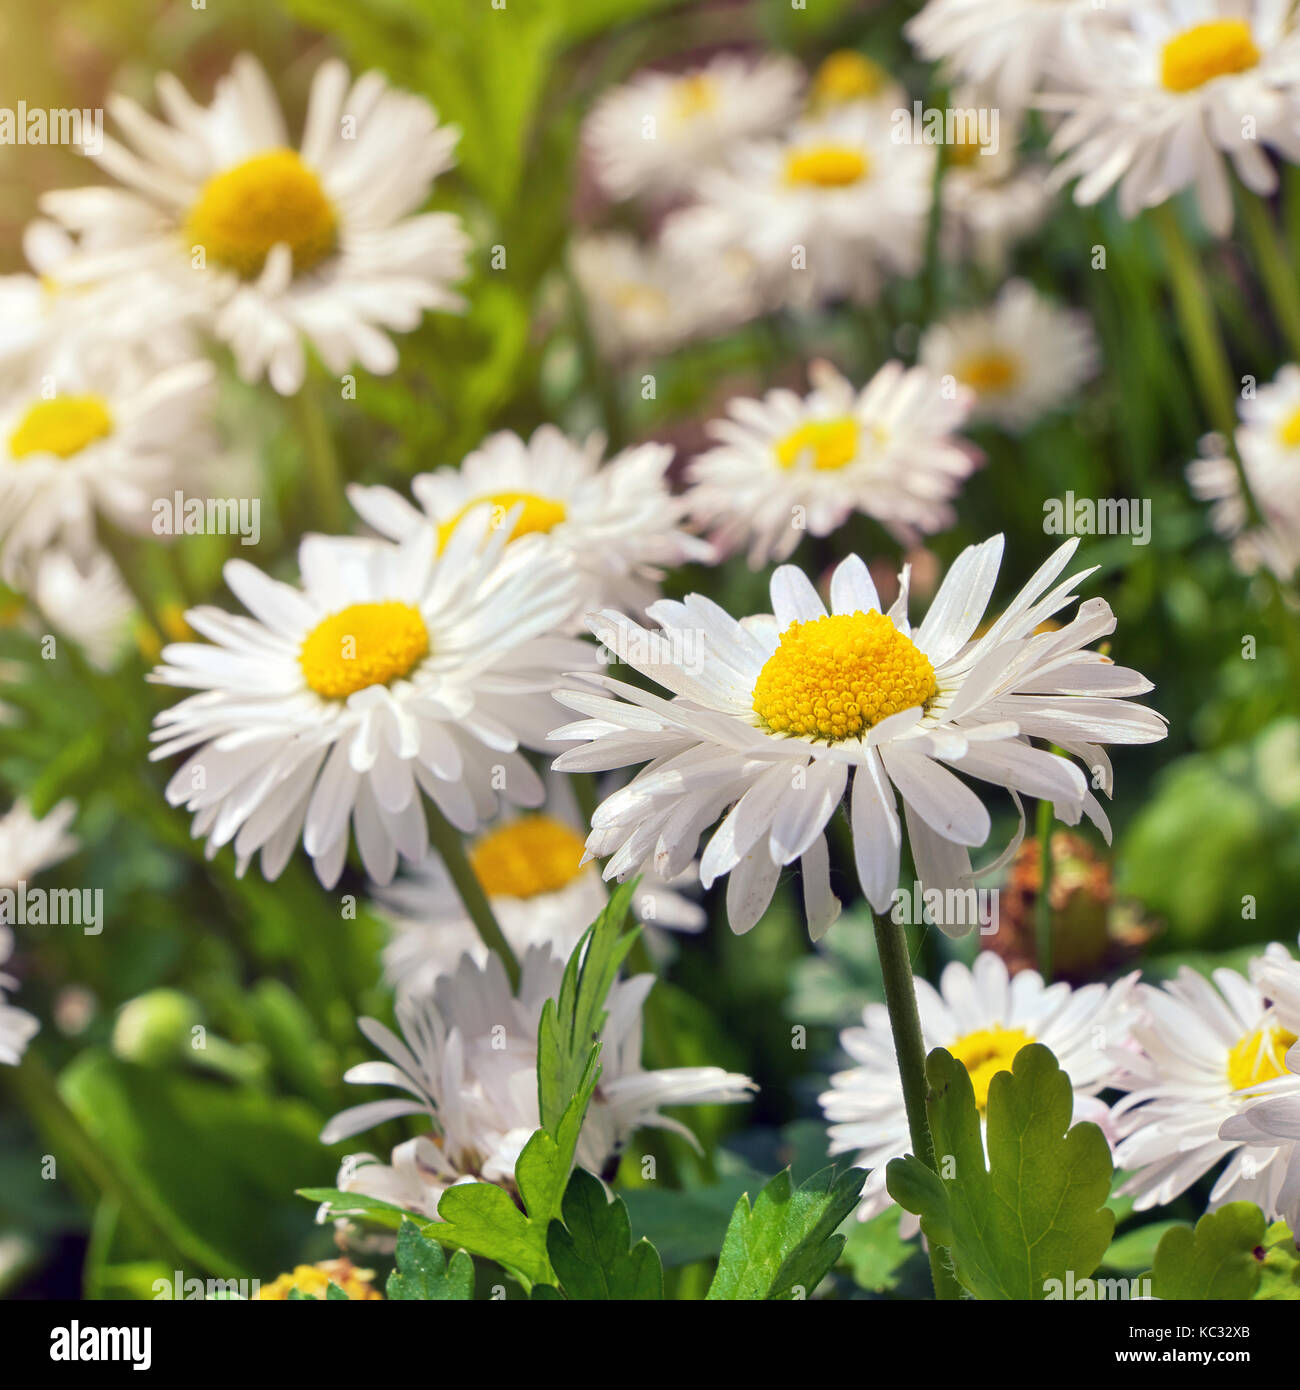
column 423, row 1272
column 333, row 1294
column 786, row 1244
column 1279, row 1275
column 589, row 1249
column 875, row 1254
column 1216, row 1260
column 1036, row 1211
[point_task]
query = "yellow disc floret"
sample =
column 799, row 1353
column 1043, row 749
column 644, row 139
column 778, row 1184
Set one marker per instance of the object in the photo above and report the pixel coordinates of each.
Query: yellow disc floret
column 63, row 426
column 989, row 371
column 847, row 76
column 826, row 166
column 540, row 514
column 831, row 678
column 528, row 857
column 314, row 1281
column 694, row 95
column 1288, row 432
column 986, row 1052
column 1259, row 1057
column 270, row 199
column 827, row 444
column 1206, row 51
column 366, row 644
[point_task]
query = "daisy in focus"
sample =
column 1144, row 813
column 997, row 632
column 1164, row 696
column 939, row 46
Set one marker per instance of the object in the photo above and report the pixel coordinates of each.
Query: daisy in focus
column 771, row 720
column 1268, row 443
column 827, row 212
column 1022, row 356
column 787, row 465
column 315, row 245
column 1271, row 1124
column 983, row 1016
column 655, row 133
column 93, row 442
column 467, row 1061
column 541, row 891
column 1204, row 1050
column 393, row 671
column 1154, row 108
column 617, row 522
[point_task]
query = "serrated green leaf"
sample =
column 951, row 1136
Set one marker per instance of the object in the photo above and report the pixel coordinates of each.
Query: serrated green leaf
column 1279, row 1276
column 1216, row 1260
column 1036, row 1212
column 423, row 1272
column 589, row 1249
column 875, row 1252
column 786, row 1245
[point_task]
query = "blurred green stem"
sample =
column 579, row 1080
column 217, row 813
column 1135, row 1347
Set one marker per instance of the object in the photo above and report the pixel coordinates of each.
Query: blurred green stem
column 1274, row 268
column 322, row 478
column 909, row 1047
column 126, row 558
column 447, row 841
column 1043, row 905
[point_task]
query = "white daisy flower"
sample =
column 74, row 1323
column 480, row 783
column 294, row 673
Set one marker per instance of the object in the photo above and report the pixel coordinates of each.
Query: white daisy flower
column 770, row 717
column 316, row 245
column 1203, row 1051
column 1154, row 108
column 532, row 868
column 983, row 1017
column 617, row 521
column 1277, row 974
column 1023, row 356
column 93, row 442
column 655, row 133
column 29, row 844
column 1268, row 443
column 392, row 671
column 829, row 210
column 89, row 604
column 644, row 301
column 467, row 1059
column 17, row 1026
column 1270, row 1124
column 847, row 76
column 787, row 464
column 1006, row 47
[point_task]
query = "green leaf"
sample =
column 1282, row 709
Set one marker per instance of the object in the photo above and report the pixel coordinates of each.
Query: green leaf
column 1280, row 1274
column 1036, row 1212
column 1216, row 1260
column 875, row 1253
column 1133, row 1252
column 333, row 1294
column 589, row 1251
column 423, row 1273
column 786, row 1245
column 355, row 1204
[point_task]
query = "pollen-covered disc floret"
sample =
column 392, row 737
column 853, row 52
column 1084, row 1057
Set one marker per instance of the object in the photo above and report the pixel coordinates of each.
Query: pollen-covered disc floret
column 833, row 677
column 365, row 644
column 530, row 856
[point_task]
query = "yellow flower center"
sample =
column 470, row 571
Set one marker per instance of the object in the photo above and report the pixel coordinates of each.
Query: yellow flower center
column 829, row 444
column 826, row 166
column 314, row 1281
column 847, row 76
column 63, row 426
column 270, row 199
column 366, row 644
column 989, row 371
column 693, row 96
column 986, row 1052
column 1289, row 431
column 1206, row 51
column 529, row 857
column 639, row 299
column 831, row 678
column 540, row 514
column 1259, row 1057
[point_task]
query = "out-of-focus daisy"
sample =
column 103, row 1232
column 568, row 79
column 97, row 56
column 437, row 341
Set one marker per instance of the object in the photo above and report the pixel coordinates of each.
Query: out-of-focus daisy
column 617, row 521
column 89, row 603
column 1268, row 442
column 1023, row 356
column 1202, row 1050
column 770, row 717
column 93, row 442
column 983, row 1017
column 829, row 210
column 642, row 301
column 17, row 1026
column 542, row 893
column 788, row 464
column 1155, row 107
column 655, row 133
column 848, row 76
column 29, row 843
column 467, row 1060
column 316, row 245
column 393, row 670
column 1007, row 47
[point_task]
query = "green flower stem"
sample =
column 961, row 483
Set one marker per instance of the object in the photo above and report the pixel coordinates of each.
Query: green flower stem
column 125, row 557
column 446, row 839
column 323, row 477
column 1274, row 268
column 1043, row 905
column 905, row 1023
